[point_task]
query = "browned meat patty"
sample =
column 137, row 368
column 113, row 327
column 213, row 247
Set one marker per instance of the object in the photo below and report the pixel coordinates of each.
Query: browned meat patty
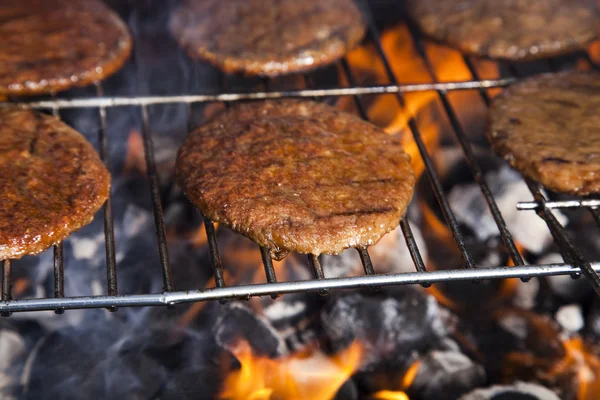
column 52, row 45
column 548, row 127
column 297, row 176
column 508, row 29
column 268, row 37
column 52, row 182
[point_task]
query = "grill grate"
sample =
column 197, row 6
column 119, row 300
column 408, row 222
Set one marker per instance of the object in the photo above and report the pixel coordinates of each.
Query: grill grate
column 575, row 263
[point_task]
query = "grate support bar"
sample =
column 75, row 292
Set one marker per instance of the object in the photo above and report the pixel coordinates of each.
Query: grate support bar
column 124, row 101
column 267, row 289
column 533, row 205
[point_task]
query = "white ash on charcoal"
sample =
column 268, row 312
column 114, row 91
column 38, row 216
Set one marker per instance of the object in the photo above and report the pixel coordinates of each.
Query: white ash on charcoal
column 445, row 375
column 508, row 189
column 570, row 318
column 14, row 351
column 84, row 255
column 389, row 256
column 295, row 316
column 394, row 328
column 526, row 293
column 237, row 322
column 131, row 357
column 516, row 391
column 564, row 287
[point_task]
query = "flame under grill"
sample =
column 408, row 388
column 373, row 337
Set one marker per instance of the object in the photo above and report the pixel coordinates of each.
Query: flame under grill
column 575, row 263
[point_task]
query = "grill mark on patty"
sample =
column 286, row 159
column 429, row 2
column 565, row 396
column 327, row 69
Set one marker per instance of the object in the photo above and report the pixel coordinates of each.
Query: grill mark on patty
column 369, row 211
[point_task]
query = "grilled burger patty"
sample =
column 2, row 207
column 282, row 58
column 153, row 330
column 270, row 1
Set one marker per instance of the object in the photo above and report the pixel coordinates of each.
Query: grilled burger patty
column 52, row 45
column 51, row 182
column 508, row 29
column 548, row 127
column 297, row 175
column 271, row 37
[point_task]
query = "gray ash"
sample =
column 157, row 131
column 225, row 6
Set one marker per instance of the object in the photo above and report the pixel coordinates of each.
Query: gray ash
column 445, row 375
column 517, row 391
column 395, row 328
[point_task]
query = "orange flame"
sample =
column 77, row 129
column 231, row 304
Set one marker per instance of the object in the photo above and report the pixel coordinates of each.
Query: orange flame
column 308, row 375
column 390, row 395
column 586, row 366
column 409, row 67
column 407, row 380
column 594, row 51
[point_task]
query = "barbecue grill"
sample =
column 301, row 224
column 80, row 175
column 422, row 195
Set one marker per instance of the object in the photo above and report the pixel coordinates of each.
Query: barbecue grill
column 575, row 264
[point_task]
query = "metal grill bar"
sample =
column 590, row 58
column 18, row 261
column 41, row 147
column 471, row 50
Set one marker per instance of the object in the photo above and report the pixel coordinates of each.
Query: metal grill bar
column 109, row 233
column 569, row 251
column 470, row 157
column 156, row 203
column 59, row 272
column 209, row 98
column 425, row 156
column 59, row 275
column 6, row 280
column 266, row 289
column 214, row 252
column 533, row 205
column 269, row 270
column 413, row 249
column 6, row 285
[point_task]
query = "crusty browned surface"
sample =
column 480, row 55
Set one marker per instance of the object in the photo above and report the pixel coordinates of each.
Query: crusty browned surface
column 268, row 37
column 508, row 29
column 548, row 127
column 52, row 182
column 52, row 45
column 297, row 175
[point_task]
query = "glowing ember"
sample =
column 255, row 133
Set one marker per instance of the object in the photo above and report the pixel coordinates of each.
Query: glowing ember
column 307, row 375
column 135, row 159
column 594, row 51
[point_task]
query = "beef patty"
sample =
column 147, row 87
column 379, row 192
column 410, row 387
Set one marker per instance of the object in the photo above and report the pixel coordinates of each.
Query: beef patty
column 508, row 29
column 51, row 182
column 548, row 127
column 297, row 175
column 259, row 37
column 52, row 45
